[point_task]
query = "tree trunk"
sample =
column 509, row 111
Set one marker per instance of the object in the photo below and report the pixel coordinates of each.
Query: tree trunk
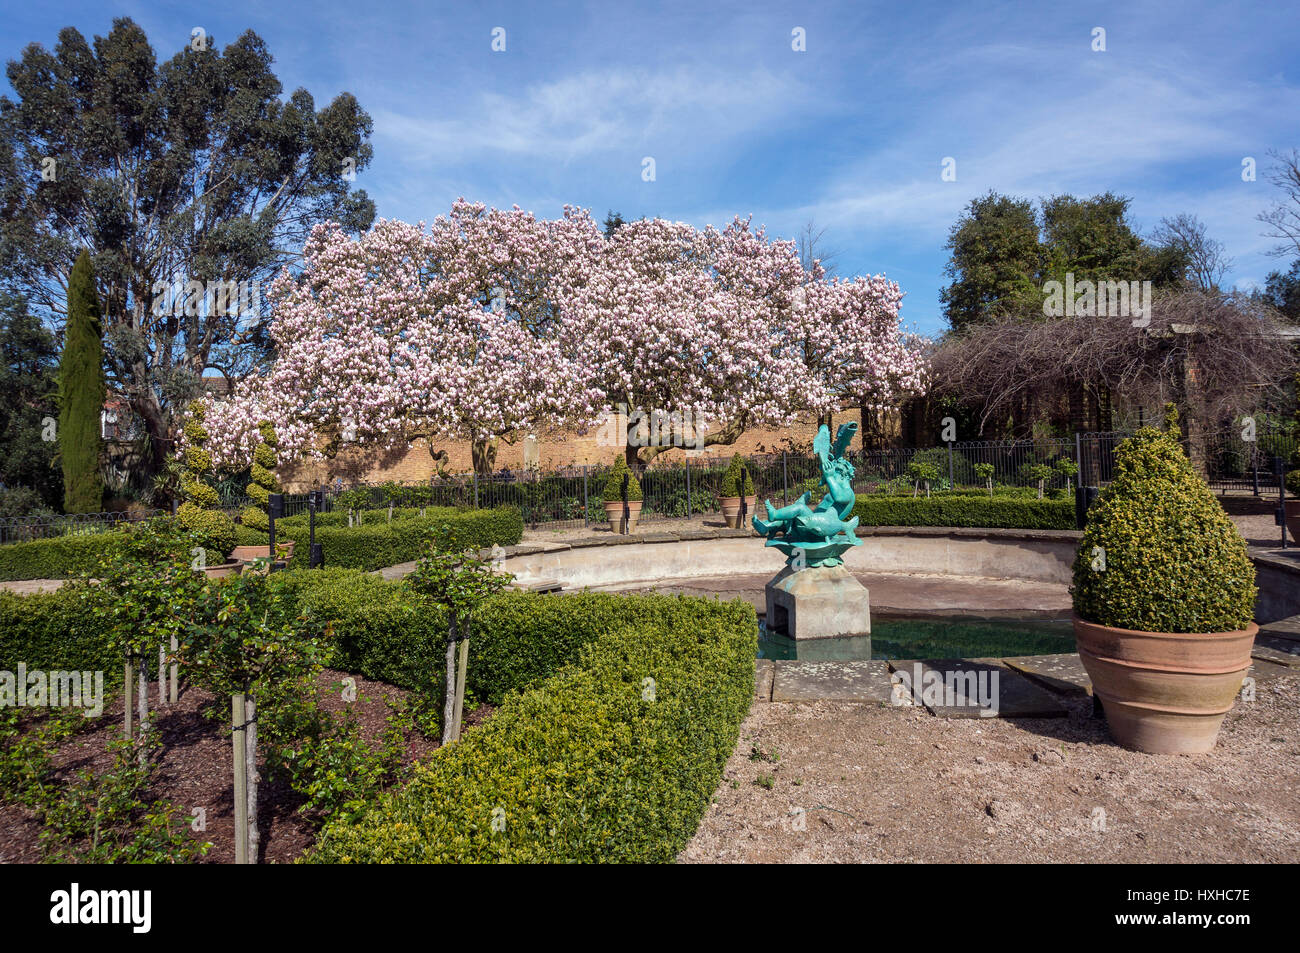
column 449, row 699
column 142, row 699
column 127, row 702
column 250, row 771
column 240, row 790
column 483, row 451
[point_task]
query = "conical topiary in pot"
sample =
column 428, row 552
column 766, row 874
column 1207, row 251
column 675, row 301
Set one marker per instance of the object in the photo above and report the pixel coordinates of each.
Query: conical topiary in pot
column 737, row 501
column 619, row 521
column 1164, row 597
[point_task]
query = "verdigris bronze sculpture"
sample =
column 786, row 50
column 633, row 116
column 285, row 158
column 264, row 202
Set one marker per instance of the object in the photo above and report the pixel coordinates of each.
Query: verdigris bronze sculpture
column 818, row 536
column 815, row 596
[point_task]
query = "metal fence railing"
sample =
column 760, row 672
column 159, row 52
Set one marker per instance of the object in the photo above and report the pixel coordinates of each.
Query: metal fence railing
column 21, row 529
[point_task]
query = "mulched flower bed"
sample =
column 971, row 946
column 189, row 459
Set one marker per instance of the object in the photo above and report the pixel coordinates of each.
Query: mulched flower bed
column 193, row 769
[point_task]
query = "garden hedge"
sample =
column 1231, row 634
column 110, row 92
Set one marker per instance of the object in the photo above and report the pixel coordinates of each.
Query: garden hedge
column 612, row 758
column 56, row 558
column 1000, row 512
column 376, row 544
column 372, row 545
column 55, row 631
column 617, row 713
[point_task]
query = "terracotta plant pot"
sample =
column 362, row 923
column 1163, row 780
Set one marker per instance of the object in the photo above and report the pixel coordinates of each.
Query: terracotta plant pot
column 1293, row 519
column 1165, row 693
column 731, row 509
column 614, row 513
column 284, row 551
column 232, row 568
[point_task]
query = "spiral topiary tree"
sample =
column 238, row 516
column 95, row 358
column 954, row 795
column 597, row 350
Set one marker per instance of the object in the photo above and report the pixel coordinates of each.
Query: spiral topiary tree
column 264, row 481
column 1159, row 553
column 199, row 513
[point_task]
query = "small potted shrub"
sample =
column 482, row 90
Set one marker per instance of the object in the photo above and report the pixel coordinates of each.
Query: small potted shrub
column 613, row 497
column 1164, row 597
column 731, row 495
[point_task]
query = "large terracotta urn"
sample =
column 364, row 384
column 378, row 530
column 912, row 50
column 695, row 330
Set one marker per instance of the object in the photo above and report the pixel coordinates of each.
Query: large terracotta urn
column 614, row 513
column 1164, row 692
column 1292, row 508
column 731, row 509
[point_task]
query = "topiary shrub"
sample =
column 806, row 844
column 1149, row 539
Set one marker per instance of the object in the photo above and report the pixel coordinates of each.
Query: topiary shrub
column 731, row 479
column 264, row 481
column 199, row 513
column 614, row 485
column 1159, row 553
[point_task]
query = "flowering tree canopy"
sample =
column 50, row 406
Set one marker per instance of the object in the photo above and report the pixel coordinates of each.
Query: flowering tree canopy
column 492, row 321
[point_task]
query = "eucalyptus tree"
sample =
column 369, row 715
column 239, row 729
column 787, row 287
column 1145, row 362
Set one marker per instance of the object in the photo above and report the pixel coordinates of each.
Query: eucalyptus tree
column 190, row 181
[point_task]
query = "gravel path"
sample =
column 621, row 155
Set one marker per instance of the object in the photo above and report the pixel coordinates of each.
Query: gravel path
column 855, row 783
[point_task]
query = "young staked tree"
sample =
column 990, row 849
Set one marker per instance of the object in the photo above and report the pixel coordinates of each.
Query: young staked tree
column 81, row 393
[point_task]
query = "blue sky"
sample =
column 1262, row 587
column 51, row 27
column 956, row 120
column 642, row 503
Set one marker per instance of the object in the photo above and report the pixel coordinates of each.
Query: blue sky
column 850, row 133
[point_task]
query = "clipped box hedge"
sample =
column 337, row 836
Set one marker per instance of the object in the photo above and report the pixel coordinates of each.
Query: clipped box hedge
column 999, row 512
column 617, row 713
column 55, row 631
column 613, row 757
column 56, row 558
column 373, row 545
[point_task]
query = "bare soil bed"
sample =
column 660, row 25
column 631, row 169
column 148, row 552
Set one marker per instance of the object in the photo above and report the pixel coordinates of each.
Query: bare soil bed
column 830, row 782
column 194, row 769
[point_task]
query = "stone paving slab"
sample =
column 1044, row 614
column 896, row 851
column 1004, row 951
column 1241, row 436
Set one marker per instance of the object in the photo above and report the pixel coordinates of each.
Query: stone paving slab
column 764, row 672
column 1272, row 649
column 1265, row 671
column 1288, row 629
column 1017, row 696
column 862, row 681
column 1063, row 674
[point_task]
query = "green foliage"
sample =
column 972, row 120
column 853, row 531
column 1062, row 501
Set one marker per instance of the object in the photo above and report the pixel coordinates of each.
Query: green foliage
column 1173, row 559
column 246, row 637
column 984, row 471
column 965, row 509
column 375, row 545
column 454, row 579
column 613, row 757
column 81, row 393
column 922, row 472
column 613, row 492
column 134, row 132
column 255, row 520
column 29, row 359
column 58, row 557
column 105, row 817
column 145, row 587
column 731, row 479
column 213, row 528
column 994, row 261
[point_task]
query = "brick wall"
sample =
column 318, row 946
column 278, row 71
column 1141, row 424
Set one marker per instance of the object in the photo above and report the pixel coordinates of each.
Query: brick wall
column 554, row 448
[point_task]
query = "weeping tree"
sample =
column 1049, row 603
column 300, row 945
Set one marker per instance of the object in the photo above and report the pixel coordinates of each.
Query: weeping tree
column 1217, row 356
column 81, row 393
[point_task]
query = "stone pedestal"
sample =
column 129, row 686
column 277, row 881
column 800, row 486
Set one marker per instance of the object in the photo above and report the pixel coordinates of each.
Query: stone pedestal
column 817, row 603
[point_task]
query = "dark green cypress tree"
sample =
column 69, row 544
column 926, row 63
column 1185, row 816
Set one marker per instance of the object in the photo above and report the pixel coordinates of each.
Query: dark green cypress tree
column 81, row 393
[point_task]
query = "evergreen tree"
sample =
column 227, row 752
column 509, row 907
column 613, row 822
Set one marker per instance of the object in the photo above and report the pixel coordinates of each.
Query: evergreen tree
column 29, row 360
column 81, row 393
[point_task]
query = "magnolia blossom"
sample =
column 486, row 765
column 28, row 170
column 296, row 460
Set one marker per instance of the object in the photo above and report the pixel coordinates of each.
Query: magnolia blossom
column 491, row 321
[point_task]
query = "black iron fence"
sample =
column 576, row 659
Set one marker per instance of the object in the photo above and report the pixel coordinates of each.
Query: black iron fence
column 21, row 529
